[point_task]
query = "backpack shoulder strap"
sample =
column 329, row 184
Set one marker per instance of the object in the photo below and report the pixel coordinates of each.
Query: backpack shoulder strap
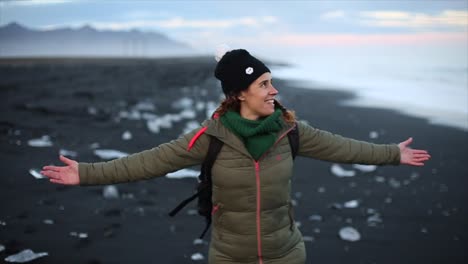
column 293, row 137
column 213, row 150
column 205, row 173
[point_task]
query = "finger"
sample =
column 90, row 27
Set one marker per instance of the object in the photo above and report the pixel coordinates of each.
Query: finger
column 420, row 159
column 56, row 181
column 421, row 155
column 408, row 141
column 419, row 151
column 51, row 174
column 66, row 160
column 51, row 168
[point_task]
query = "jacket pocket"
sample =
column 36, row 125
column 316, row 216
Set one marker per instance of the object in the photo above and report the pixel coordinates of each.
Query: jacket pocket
column 291, row 215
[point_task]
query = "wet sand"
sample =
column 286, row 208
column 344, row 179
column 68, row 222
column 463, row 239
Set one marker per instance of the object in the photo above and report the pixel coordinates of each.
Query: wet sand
column 404, row 214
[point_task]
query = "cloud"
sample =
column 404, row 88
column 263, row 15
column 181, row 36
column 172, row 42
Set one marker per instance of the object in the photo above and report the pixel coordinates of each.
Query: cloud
column 181, row 23
column 303, row 40
column 36, row 2
column 332, row 15
column 397, row 19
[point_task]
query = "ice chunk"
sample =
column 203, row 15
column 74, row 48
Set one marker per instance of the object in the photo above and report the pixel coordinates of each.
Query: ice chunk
column 109, row 153
column 2, row 247
column 198, row 241
column 351, row 204
column 188, row 114
column 43, row 141
column 210, row 108
column 294, row 202
column 414, row 176
column 200, row 106
column 68, row 153
column 315, row 217
column 183, row 103
column 197, row 256
column 183, row 173
column 2, row 223
column 131, row 115
column 379, row 179
column 308, row 238
column 79, row 235
column 145, row 106
column 374, row 219
column 349, row 234
column 148, row 116
column 36, row 174
column 92, row 110
column 298, row 224
column 94, row 145
column 373, row 134
column 394, row 183
column 127, row 135
column 191, row 125
column 154, row 125
column 365, row 168
column 25, row 256
column 48, row 221
column 338, row 171
column 192, row 212
column 321, row 189
column 110, row 192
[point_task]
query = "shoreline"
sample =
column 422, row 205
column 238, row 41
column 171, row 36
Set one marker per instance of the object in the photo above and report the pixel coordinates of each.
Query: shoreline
column 422, row 211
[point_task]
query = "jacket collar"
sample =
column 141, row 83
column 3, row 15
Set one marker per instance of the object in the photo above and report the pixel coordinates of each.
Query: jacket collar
column 217, row 129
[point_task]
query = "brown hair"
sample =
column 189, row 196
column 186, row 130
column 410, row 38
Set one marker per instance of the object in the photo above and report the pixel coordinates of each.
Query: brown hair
column 233, row 104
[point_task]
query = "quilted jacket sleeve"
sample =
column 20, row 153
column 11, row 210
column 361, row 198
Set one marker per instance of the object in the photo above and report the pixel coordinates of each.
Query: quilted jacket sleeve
column 159, row 161
column 323, row 145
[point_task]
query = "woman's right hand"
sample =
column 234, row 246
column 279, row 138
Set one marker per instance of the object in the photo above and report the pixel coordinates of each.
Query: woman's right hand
column 67, row 175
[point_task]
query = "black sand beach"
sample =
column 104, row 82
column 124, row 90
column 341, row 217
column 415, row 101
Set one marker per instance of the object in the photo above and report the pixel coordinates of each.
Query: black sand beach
column 404, row 214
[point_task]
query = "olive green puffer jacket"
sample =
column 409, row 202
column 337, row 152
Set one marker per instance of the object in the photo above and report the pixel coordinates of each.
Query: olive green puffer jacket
column 252, row 220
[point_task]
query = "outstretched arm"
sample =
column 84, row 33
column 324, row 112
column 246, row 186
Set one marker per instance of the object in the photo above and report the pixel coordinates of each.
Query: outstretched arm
column 413, row 157
column 67, row 175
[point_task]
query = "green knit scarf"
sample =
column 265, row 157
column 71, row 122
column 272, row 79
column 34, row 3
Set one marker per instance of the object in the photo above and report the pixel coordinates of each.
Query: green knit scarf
column 258, row 135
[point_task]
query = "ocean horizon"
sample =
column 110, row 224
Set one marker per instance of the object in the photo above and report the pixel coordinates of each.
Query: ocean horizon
column 430, row 87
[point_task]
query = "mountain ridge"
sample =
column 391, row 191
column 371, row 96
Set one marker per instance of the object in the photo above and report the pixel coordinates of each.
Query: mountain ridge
column 17, row 40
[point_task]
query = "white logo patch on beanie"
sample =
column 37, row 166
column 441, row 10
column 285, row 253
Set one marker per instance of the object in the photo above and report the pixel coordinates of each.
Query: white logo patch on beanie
column 249, row 70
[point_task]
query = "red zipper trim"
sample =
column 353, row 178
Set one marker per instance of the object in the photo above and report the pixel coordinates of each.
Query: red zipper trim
column 259, row 239
column 257, row 179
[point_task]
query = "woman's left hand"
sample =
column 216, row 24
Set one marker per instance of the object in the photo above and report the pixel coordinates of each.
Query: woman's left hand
column 413, row 157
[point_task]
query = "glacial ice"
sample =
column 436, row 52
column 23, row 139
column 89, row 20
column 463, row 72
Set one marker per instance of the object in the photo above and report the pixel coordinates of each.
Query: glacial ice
column 25, row 256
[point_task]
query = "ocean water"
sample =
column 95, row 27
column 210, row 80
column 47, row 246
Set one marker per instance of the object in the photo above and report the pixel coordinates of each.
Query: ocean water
column 422, row 84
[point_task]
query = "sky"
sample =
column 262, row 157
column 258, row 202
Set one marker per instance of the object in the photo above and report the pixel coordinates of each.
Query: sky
column 410, row 56
column 267, row 27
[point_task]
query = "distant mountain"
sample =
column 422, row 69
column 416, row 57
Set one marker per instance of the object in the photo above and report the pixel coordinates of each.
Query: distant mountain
column 19, row 41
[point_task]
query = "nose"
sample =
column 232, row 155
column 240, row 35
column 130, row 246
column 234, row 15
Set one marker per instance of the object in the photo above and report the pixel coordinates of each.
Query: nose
column 273, row 90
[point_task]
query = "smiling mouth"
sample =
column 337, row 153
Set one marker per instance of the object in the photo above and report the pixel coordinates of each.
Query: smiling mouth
column 271, row 101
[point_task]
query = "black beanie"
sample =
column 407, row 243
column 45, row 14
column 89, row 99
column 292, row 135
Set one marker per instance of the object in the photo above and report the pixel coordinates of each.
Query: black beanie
column 237, row 69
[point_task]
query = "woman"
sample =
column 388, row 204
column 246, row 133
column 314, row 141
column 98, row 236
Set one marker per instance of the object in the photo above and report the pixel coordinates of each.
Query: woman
column 252, row 174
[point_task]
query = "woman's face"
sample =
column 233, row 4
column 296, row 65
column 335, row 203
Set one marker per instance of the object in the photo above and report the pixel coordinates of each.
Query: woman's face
column 258, row 100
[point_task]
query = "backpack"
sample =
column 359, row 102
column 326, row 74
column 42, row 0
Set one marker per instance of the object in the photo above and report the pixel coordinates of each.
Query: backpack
column 204, row 191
